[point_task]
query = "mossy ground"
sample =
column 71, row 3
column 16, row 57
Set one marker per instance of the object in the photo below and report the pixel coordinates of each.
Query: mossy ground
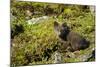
column 35, row 44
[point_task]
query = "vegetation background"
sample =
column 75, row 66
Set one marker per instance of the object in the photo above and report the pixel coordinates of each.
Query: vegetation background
column 35, row 42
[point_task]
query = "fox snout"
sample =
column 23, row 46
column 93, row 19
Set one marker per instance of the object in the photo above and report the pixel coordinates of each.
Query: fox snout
column 75, row 41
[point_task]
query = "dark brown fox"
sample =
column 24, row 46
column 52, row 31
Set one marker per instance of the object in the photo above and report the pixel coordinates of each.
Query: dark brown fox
column 74, row 40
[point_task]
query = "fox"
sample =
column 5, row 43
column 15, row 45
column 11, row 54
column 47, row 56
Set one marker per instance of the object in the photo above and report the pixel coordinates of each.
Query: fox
column 70, row 38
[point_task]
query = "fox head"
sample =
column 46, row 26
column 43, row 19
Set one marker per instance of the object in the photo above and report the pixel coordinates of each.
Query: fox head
column 61, row 30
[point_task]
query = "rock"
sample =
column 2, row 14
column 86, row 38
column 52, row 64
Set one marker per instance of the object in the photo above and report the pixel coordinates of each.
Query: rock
column 28, row 13
column 57, row 57
column 92, row 9
column 37, row 20
column 12, row 17
column 86, row 57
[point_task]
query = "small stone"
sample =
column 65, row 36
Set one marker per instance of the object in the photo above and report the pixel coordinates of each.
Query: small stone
column 57, row 57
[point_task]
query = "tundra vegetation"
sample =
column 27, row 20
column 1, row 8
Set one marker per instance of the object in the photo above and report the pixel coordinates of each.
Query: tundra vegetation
column 35, row 42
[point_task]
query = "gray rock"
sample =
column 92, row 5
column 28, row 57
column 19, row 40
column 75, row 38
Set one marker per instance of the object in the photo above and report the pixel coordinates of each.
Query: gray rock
column 86, row 57
column 12, row 18
column 37, row 20
column 92, row 9
column 57, row 57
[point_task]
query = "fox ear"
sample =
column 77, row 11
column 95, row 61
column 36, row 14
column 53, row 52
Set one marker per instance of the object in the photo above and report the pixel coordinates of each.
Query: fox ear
column 64, row 25
column 56, row 24
column 57, row 27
